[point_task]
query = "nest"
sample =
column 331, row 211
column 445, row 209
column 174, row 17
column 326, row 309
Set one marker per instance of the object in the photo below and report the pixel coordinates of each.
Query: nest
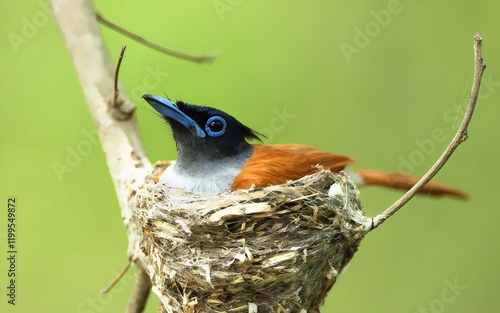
column 274, row 249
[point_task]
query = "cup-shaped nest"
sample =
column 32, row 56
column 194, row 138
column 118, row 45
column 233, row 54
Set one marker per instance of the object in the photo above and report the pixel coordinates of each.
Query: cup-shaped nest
column 274, row 249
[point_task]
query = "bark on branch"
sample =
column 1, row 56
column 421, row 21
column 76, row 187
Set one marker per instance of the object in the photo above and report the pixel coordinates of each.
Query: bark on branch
column 117, row 127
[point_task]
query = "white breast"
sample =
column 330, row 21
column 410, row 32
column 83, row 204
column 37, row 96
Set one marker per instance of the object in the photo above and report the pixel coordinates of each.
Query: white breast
column 215, row 181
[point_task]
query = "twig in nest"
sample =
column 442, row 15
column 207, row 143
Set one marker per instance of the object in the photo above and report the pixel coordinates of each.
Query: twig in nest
column 460, row 136
column 178, row 54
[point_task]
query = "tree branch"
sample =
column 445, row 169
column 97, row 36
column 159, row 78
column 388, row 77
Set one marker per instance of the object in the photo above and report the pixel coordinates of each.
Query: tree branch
column 125, row 155
column 460, row 136
column 142, row 286
column 175, row 53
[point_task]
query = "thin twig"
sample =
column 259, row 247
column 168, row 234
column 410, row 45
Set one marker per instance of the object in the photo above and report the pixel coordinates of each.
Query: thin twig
column 460, row 137
column 117, row 73
column 178, row 54
column 117, row 278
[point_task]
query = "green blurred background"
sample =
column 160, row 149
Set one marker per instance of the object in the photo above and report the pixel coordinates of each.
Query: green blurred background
column 379, row 100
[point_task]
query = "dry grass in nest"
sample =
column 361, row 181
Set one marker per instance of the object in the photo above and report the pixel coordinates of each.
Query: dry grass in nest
column 275, row 249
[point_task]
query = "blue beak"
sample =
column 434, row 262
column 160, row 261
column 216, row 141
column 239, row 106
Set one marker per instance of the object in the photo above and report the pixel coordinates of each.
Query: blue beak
column 168, row 108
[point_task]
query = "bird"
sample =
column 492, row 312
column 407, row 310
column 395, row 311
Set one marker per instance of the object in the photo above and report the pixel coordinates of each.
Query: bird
column 215, row 156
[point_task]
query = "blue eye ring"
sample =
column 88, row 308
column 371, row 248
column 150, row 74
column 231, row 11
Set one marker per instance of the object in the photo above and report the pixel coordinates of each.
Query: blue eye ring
column 215, row 126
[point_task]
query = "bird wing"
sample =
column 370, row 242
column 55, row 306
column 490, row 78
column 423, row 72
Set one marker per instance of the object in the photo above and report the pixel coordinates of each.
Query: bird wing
column 276, row 164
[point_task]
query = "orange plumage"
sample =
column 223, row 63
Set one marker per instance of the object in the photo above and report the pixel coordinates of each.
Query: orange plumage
column 276, row 164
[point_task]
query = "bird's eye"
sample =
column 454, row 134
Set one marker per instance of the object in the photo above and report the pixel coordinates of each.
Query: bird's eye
column 215, row 126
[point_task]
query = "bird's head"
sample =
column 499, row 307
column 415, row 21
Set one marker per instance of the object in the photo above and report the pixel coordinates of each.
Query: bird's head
column 201, row 131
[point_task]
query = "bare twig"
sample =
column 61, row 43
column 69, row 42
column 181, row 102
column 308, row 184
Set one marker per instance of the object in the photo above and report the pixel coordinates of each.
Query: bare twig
column 117, row 74
column 460, row 137
column 178, row 54
column 117, row 278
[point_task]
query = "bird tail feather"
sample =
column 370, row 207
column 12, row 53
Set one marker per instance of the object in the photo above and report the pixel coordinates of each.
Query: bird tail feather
column 403, row 181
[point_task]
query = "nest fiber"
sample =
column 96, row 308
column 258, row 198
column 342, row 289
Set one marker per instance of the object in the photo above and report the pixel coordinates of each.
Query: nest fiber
column 274, row 249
